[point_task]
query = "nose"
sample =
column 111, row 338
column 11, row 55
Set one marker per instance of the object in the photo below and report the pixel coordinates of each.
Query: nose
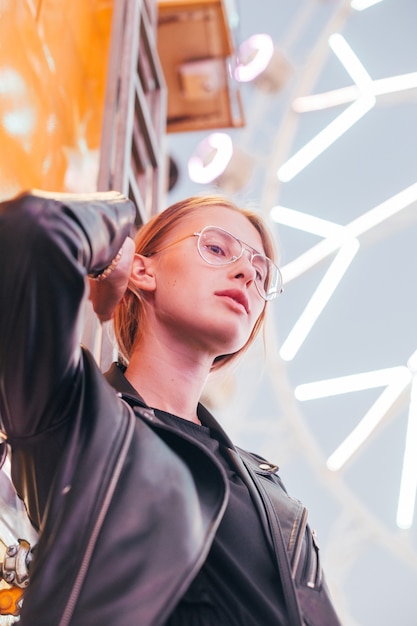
column 243, row 268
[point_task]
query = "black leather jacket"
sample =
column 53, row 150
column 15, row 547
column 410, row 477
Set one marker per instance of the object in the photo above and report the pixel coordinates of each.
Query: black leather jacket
column 123, row 503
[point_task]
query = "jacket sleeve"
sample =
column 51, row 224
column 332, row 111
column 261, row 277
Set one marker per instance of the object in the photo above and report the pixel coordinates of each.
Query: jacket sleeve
column 48, row 245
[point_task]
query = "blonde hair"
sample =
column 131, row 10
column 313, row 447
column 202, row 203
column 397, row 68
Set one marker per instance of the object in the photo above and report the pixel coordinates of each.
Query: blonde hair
column 129, row 319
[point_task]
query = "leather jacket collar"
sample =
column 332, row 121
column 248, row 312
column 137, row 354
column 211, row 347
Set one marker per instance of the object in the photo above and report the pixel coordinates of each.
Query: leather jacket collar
column 115, row 376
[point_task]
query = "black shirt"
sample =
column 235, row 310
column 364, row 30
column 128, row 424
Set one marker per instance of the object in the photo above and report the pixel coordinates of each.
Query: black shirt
column 238, row 584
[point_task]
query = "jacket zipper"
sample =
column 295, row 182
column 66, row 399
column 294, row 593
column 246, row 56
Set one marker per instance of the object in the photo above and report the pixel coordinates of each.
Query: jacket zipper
column 299, row 541
column 313, row 577
column 69, row 609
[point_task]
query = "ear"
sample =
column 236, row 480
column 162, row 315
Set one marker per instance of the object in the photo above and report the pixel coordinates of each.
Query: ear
column 143, row 276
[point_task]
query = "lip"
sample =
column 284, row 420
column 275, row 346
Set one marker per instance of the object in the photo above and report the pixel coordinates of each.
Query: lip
column 236, row 295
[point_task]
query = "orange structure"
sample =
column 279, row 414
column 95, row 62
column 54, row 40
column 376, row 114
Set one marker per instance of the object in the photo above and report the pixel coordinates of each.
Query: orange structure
column 67, row 67
column 53, row 64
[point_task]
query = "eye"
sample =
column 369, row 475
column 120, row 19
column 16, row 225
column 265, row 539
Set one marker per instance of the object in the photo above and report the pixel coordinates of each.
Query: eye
column 259, row 276
column 261, row 269
column 215, row 249
column 218, row 247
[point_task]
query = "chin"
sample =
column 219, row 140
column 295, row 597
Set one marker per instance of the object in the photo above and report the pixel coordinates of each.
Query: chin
column 228, row 339
column 233, row 348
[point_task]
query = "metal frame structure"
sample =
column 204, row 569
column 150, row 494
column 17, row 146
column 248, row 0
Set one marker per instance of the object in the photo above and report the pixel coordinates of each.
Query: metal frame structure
column 132, row 157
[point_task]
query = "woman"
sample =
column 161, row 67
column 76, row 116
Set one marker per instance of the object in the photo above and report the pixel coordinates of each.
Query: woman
column 147, row 512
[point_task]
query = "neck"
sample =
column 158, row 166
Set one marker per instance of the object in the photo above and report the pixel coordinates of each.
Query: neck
column 169, row 378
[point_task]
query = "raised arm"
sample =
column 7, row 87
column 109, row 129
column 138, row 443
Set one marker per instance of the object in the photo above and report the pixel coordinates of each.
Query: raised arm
column 49, row 243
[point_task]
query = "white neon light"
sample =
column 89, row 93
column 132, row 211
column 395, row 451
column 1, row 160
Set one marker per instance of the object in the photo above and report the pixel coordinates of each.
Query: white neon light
column 340, row 238
column 309, row 259
column 402, row 82
column 408, row 486
column 325, row 138
column 304, row 221
column 350, row 61
column 348, row 384
column 361, row 5
column 412, row 363
column 357, row 227
column 319, row 299
column 344, row 95
column 326, row 100
column 254, row 55
column 370, row 421
column 211, row 158
column 383, row 211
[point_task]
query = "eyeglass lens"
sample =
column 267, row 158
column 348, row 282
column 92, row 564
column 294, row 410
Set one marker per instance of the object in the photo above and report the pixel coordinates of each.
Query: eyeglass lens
column 218, row 247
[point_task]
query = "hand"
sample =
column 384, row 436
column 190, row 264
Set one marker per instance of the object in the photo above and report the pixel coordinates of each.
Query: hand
column 106, row 294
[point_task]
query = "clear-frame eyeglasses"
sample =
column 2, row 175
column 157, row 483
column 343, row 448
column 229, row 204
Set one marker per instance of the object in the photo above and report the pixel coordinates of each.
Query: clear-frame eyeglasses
column 217, row 246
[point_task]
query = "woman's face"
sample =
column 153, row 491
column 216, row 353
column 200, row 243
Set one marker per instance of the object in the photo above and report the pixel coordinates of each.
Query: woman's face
column 210, row 308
